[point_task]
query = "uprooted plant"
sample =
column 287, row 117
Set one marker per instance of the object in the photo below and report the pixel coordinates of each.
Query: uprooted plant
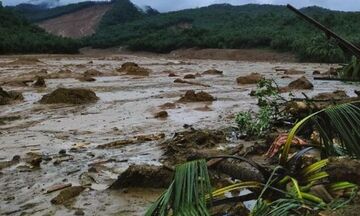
column 293, row 187
column 270, row 102
column 351, row 70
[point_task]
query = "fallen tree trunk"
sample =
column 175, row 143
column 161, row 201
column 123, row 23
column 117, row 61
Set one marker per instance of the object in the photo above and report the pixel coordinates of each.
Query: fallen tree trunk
column 343, row 169
column 240, row 170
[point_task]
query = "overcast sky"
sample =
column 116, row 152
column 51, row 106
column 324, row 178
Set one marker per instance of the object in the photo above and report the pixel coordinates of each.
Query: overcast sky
column 170, row 5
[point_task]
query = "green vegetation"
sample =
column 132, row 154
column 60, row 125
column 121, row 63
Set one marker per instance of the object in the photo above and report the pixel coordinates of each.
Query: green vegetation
column 35, row 13
column 216, row 26
column 288, row 186
column 19, row 36
column 351, row 70
column 340, row 124
column 122, row 11
column 226, row 26
column 187, row 193
column 269, row 98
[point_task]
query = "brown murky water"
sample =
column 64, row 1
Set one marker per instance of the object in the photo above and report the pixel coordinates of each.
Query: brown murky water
column 125, row 109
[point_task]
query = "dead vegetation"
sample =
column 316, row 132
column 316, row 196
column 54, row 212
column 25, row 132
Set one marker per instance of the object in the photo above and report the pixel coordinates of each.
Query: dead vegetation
column 181, row 146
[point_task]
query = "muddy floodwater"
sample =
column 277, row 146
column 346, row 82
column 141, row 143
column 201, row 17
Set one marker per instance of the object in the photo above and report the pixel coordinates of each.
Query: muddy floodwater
column 125, row 109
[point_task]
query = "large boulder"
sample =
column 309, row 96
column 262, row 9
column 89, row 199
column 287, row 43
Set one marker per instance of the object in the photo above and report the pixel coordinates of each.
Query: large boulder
column 70, row 96
column 92, row 72
column 301, row 83
column 252, row 78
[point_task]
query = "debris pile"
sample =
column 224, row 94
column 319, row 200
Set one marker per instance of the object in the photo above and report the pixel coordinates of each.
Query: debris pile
column 252, row 78
column 212, row 72
column 191, row 96
column 9, row 97
column 70, row 96
column 144, row 176
column 133, row 69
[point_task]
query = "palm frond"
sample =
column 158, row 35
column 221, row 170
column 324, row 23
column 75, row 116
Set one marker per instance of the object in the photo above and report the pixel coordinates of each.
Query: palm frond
column 284, row 207
column 186, row 196
column 338, row 126
column 341, row 186
column 236, row 186
column 315, row 167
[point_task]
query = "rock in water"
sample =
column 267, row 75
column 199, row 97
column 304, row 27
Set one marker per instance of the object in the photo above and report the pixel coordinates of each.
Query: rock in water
column 92, row 72
column 70, row 96
column 189, row 76
column 161, row 114
column 127, row 65
column 172, row 74
column 301, row 83
column 252, row 78
column 67, row 194
column 191, row 96
column 86, row 79
column 40, row 82
column 212, row 72
column 9, row 97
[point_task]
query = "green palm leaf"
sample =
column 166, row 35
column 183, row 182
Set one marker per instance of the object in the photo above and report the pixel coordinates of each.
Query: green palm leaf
column 186, row 196
column 339, row 128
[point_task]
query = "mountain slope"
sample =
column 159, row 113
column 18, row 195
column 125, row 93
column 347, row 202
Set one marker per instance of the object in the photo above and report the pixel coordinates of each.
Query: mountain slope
column 226, row 26
column 37, row 13
column 19, row 36
column 77, row 24
column 122, row 11
column 84, row 18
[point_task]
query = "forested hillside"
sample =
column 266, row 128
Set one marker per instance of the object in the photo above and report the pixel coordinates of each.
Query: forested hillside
column 124, row 11
column 38, row 13
column 19, row 36
column 216, row 26
column 226, row 26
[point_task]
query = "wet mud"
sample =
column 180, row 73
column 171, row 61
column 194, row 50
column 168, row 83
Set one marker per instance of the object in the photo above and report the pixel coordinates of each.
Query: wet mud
column 88, row 146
